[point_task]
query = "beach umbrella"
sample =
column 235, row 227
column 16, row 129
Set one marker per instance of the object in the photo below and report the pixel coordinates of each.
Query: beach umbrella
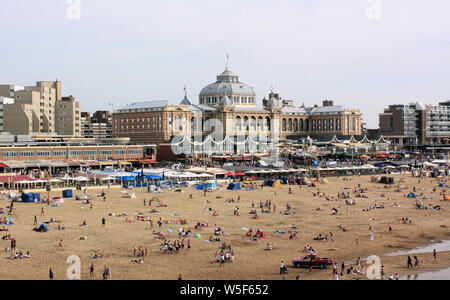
column 169, row 230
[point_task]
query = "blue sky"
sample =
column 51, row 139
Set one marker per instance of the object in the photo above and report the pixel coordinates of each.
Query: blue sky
column 138, row 50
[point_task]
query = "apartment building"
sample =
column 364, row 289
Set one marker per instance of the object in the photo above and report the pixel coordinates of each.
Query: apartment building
column 98, row 126
column 416, row 124
column 40, row 110
column 68, row 117
column 4, row 100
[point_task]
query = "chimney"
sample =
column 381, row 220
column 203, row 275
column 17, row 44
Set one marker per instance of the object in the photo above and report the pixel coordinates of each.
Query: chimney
column 328, row 103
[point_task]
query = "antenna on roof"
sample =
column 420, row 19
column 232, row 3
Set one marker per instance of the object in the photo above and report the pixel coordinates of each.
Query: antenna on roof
column 228, row 60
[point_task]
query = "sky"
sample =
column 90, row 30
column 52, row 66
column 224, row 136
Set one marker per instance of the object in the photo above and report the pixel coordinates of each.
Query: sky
column 364, row 54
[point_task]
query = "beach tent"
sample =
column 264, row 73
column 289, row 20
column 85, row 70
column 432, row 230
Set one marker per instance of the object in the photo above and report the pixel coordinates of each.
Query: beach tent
column 412, row 195
column 274, row 183
column 7, row 221
column 234, row 186
column 42, row 228
column 31, row 198
column 442, row 185
column 67, row 194
column 207, row 185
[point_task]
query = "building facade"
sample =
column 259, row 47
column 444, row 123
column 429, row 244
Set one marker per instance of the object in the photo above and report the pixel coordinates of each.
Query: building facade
column 229, row 107
column 79, row 152
column 98, row 126
column 40, row 110
column 228, row 110
column 3, row 101
column 416, row 124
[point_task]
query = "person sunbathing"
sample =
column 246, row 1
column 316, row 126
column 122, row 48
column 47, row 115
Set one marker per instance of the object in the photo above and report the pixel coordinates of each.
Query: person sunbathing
column 215, row 214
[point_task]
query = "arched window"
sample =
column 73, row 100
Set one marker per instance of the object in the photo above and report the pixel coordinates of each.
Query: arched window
column 193, row 125
column 290, row 125
column 267, row 124
column 302, row 125
column 238, row 123
column 295, row 125
column 284, row 125
column 260, row 124
column 246, row 124
column 253, row 124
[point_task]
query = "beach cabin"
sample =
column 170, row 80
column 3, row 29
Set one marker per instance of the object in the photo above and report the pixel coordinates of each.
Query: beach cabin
column 31, row 198
column 234, row 186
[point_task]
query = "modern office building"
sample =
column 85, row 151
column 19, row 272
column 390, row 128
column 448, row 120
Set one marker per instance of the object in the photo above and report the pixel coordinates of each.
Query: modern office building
column 416, row 124
column 98, row 126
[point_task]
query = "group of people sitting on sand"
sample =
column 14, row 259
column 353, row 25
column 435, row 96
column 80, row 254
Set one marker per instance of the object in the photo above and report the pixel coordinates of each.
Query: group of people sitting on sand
column 255, row 237
column 7, row 237
column 20, row 255
column 199, row 226
column 406, row 221
column 140, row 252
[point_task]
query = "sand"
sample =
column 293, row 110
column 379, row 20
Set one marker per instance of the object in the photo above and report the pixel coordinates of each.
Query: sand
column 117, row 238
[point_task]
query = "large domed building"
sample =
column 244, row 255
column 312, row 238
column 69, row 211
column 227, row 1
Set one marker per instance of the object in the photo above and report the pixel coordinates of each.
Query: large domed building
column 228, row 84
column 231, row 107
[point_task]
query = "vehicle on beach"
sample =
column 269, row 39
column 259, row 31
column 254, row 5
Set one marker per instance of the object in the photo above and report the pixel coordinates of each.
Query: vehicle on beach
column 312, row 260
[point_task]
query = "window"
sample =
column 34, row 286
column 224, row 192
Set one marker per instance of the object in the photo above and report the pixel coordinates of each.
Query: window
column 105, row 152
column 27, row 154
column 134, row 152
column 59, row 153
column 9, row 154
column 76, row 153
column 43, row 153
column 120, row 152
column 90, row 152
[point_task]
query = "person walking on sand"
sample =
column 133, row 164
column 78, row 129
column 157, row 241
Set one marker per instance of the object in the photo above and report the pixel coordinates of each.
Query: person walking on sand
column 434, row 255
column 50, row 274
column 35, row 221
column 42, row 211
column 416, row 261
column 410, row 262
column 91, row 270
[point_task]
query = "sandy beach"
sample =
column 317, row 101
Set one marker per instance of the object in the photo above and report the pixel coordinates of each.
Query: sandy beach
column 117, row 238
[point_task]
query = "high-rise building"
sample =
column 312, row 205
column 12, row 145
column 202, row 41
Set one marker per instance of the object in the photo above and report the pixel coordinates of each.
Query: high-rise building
column 416, row 124
column 3, row 101
column 68, row 117
column 98, row 126
column 40, row 110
